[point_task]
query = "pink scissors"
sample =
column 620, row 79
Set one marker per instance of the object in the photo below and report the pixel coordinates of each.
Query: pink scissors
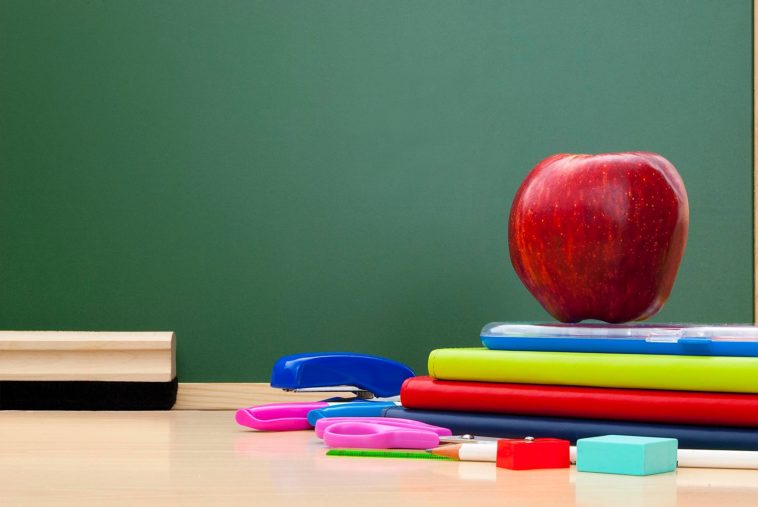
column 323, row 424
column 379, row 435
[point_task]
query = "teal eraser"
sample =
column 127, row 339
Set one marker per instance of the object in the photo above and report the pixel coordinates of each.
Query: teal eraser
column 620, row 454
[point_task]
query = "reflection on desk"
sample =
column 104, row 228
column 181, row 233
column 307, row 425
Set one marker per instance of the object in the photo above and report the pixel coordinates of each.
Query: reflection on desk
column 204, row 458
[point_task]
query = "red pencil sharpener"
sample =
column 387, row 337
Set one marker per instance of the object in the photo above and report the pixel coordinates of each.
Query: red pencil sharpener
column 532, row 453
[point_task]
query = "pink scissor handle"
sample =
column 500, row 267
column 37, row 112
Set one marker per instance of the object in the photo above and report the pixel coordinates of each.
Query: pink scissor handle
column 361, row 435
column 278, row 416
column 323, row 424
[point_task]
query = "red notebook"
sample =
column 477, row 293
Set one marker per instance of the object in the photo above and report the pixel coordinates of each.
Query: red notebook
column 682, row 407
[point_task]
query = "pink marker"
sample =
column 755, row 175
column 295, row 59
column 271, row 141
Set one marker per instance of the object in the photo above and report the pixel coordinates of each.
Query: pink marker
column 278, row 416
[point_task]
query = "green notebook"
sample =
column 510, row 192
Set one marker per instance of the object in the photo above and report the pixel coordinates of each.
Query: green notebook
column 639, row 371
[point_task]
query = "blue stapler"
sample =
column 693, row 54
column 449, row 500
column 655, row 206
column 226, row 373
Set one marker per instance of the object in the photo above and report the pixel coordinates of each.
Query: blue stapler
column 373, row 381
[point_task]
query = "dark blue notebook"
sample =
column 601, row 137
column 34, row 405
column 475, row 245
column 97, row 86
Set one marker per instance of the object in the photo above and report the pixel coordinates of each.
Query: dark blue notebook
column 514, row 426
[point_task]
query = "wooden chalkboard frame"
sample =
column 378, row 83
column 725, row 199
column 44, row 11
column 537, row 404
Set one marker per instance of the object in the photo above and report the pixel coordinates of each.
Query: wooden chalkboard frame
column 755, row 158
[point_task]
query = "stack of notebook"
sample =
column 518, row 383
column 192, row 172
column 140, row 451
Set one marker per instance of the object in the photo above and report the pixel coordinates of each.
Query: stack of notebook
column 698, row 384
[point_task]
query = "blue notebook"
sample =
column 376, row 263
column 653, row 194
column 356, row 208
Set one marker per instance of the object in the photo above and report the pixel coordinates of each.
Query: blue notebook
column 517, row 426
column 675, row 339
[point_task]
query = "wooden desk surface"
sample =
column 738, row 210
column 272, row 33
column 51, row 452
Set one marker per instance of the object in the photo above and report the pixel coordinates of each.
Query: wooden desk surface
column 203, row 458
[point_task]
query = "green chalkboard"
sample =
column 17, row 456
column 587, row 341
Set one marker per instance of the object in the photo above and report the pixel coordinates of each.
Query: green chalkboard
column 270, row 177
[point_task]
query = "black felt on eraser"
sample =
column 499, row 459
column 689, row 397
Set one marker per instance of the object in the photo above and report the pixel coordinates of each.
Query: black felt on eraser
column 86, row 370
column 86, row 395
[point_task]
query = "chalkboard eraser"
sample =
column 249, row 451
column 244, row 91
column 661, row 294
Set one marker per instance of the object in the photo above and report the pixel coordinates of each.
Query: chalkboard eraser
column 85, row 370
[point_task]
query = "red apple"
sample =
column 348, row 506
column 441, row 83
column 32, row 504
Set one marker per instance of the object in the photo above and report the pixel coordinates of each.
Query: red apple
column 599, row 236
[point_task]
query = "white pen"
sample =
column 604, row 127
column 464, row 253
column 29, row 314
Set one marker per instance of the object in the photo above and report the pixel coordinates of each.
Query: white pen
column 686, row 458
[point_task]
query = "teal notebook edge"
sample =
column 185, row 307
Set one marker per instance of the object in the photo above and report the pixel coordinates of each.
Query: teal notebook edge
column 663, row 339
